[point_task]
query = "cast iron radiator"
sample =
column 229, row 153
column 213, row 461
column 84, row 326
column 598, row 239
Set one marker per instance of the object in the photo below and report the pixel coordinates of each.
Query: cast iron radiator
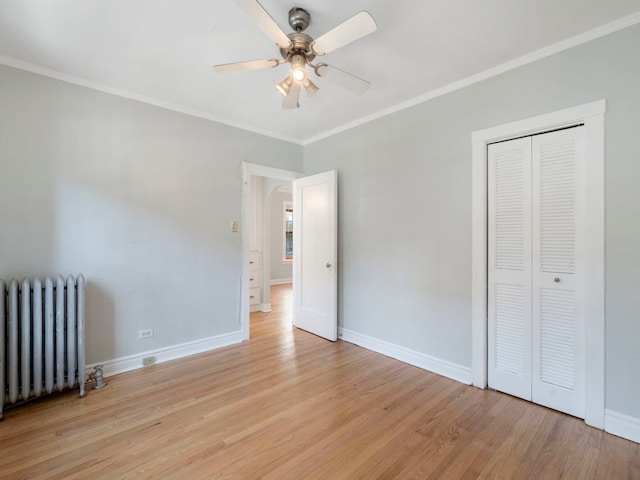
column 41, row 338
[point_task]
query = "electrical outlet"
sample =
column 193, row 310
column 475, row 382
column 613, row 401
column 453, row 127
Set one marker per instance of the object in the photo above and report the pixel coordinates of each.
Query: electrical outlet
column 148, row 333
column 147, row 361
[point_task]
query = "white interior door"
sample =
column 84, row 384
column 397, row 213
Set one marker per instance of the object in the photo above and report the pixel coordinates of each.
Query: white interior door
column 559, row 270
column 315, row 241
column 509, row 256
column 536, row 288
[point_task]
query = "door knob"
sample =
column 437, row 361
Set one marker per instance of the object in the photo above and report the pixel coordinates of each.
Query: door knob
column 557, row 280
column 328, row 265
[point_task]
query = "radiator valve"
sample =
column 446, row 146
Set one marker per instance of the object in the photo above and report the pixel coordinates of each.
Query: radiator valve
column 99, row 377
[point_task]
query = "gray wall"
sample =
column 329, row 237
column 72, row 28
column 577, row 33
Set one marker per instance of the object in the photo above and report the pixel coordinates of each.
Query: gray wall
column 405, row 205
column 279, row 270
column 137, row 198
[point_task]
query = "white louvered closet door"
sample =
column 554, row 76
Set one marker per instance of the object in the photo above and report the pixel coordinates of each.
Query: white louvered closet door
column 509, row 270
column 536, row 269
column 558, row 271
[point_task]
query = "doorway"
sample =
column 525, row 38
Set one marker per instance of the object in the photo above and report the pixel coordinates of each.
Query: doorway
column 261, row 186
column 315, row 248
column 590, row 115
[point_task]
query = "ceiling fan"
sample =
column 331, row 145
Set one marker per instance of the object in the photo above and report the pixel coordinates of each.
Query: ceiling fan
column 299, row 50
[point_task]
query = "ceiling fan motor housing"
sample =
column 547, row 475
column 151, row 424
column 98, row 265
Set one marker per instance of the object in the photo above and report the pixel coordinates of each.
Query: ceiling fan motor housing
column 300, row 45
column 299, row 19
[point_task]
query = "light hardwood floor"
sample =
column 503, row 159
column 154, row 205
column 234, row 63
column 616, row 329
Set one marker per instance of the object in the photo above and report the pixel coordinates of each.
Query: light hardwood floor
column 290, row 405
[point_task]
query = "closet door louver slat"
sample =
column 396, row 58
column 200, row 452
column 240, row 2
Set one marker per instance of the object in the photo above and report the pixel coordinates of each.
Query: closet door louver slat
column 557, row 342
column 557, row 206
column 509, row 329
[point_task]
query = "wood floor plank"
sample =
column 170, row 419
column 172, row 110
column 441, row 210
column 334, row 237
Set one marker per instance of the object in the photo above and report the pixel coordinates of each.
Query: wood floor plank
column 290, row 405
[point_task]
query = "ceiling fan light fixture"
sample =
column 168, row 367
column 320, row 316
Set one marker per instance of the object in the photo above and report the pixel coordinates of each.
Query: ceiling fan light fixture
column 284, row 86
column 310, row 87
column 299, row 75
column 298, row 70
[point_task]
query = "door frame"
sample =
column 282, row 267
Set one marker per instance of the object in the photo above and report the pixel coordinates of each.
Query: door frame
column 249, row 170
column 591, row 115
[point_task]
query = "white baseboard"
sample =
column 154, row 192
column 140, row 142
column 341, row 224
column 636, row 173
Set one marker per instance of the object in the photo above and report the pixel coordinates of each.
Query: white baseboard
column 265, row 307
column 133, row 362
column 622, row 425
column 435, row 365
column 280, row 281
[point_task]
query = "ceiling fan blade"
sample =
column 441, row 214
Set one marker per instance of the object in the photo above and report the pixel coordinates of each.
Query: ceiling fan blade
column 292, row 98
column 343, row 79
column 267, row 24
column 356, row 27
column 245, row 66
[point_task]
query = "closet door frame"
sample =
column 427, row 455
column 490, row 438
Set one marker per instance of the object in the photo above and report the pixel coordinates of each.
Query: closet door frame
column 591, row 115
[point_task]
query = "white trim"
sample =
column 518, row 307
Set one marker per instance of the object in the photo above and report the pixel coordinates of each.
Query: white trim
column 280, row 281
column 120, row 92
column 540, row 123
column 406, row 355
column 133, row 362
column 622, row 425
column 574, row 41
column 260, row 307
column 271, row 172
column 248, row 170
column 592, row 116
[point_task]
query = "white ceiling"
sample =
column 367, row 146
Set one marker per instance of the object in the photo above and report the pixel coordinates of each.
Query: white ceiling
column 163, row 50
